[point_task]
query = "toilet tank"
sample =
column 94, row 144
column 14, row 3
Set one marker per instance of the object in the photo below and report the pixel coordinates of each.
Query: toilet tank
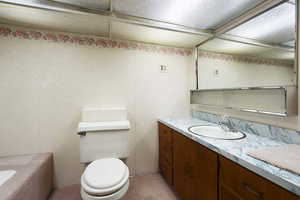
column 101, row 114
column 104, row 133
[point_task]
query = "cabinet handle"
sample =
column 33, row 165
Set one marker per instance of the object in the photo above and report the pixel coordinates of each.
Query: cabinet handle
column 260, row 195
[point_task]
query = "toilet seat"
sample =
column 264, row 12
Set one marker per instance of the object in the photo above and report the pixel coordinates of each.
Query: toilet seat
column 115, row 196
column 104, row 177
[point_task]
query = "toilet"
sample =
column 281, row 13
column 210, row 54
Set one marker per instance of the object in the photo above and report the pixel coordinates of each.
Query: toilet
column 104, row 141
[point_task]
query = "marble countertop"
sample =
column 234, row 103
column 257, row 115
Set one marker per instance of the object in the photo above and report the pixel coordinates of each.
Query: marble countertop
column 236, row 150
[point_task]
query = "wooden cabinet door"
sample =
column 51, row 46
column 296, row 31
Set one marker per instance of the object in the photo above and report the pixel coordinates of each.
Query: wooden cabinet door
column 165, row 143
column 226, row 194
column 248, row 185
column 195, row 170
column 166, row 153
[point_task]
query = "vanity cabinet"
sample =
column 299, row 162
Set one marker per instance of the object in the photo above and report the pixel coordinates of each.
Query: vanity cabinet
column 197, row 173
column 166, row 153
column 195, row 170
column 239, row 183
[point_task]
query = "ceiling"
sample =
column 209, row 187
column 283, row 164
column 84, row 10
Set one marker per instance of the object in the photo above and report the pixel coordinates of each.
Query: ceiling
column 274, row 26
column 169, row 22
column 92, row 4
column 193, row 13
column 152, row 35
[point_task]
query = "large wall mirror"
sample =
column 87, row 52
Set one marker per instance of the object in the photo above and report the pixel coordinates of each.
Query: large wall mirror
column 252, row 64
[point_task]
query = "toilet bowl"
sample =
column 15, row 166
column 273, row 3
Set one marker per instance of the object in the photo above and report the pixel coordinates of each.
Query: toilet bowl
column 104, row 138
column 105, row 179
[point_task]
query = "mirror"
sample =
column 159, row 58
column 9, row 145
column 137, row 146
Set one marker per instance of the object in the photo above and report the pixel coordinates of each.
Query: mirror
column 257, row 53
column 252, row 66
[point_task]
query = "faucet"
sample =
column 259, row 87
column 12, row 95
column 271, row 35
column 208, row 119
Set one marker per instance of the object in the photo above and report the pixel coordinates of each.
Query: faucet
column 226, row 124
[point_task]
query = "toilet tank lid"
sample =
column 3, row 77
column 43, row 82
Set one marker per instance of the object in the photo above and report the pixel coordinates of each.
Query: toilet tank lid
column 103, row 126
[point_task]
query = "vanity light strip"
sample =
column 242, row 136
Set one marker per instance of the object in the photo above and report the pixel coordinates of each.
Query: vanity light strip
column 265, row 112
column 22, row 33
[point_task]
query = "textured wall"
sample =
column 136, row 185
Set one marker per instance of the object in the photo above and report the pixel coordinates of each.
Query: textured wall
column 241, row 71
column 44, row 84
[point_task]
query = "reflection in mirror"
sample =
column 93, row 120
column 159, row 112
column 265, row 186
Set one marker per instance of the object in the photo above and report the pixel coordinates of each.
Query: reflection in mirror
column 226, row 46
column 289, row 43
column 275, row 26
column 251, row 65
column 258, row 53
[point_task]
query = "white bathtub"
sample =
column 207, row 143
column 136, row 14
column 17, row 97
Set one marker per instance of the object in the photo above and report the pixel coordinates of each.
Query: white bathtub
column 5, row 175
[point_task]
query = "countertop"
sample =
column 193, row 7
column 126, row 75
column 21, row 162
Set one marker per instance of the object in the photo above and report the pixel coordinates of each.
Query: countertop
column 236, row 150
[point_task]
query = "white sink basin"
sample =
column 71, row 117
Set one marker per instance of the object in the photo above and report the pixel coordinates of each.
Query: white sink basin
column 216, row 132
column 5, row 175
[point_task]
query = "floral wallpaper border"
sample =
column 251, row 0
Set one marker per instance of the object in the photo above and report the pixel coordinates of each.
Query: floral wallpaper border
column 23, row 33
column 245, row 59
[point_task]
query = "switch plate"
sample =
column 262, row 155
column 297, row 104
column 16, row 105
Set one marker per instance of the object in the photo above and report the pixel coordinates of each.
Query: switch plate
column 216, row 73
column 163, row 68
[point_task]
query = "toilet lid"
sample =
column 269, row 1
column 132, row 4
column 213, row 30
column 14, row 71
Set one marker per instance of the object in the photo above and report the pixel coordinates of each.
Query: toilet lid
column 104, row 176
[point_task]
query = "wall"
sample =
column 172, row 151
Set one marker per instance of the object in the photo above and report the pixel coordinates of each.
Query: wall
column 44, row 84
column 235, row 71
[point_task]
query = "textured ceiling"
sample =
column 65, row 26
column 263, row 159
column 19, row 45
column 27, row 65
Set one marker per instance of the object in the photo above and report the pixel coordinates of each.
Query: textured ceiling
column 93, row 4
column 204, row 14
column 275, row 26
column 152, row 35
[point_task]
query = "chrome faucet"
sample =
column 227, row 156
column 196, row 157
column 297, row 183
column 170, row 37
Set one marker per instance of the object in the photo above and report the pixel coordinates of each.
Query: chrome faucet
column 226, row 124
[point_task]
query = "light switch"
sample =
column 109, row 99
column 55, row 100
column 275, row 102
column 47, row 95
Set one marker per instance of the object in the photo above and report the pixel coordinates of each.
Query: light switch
column 216, row 73
column 163, row 68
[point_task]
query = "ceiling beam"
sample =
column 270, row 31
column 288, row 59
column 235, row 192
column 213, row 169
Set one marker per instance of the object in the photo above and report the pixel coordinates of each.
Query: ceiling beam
column 255, row 42
column 248, row 41
column 110, row 15
column 292, row 2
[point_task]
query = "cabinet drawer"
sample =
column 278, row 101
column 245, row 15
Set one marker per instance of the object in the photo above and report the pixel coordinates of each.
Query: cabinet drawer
column 165, row 143
column 248, row 185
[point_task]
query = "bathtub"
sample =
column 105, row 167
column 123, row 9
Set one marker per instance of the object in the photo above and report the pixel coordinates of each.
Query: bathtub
column 26, row 177
column 5, row 175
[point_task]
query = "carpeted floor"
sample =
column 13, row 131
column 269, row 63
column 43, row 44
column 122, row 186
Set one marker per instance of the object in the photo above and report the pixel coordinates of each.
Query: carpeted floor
column 145, row 187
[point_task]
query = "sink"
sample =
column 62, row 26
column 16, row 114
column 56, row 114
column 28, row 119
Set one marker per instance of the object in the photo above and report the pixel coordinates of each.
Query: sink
column 5, row 175
column 216, row 132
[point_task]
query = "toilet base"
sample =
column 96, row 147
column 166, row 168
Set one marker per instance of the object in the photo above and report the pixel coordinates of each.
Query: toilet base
column 115, row 196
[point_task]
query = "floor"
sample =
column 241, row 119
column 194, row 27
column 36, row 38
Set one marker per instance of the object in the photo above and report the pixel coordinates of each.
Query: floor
column 144, row 187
